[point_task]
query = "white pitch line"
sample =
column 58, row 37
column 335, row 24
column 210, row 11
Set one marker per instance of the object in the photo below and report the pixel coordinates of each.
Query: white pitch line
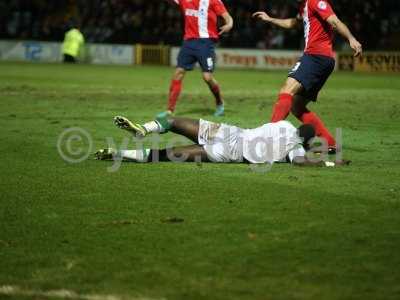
column 63, row 294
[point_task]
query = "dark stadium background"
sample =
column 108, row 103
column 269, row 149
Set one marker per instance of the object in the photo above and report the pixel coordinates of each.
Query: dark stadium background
column 375, row 22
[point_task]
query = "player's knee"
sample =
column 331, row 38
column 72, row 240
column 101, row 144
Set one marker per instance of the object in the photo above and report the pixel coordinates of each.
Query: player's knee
column 179, row 74
column 286, row 89
column 291, row 86
column 208, row 78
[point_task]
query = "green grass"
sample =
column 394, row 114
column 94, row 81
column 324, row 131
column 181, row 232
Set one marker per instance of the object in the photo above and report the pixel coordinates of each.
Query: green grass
column 292, row 233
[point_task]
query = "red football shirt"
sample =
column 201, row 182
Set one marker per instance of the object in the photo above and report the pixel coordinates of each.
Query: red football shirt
column 318, row 33
column 201, row 17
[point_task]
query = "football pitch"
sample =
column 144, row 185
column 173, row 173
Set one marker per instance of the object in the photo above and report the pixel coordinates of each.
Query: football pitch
column 192, row 230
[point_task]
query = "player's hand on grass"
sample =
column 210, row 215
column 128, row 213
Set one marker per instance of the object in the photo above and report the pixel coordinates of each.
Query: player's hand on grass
column 356, row 46
column 337, row 163
column 262, row 16
column 343, row 162
column 302, row 161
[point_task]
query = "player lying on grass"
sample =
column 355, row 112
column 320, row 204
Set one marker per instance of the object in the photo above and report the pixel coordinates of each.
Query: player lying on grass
column 309, row 75
column 220, row 143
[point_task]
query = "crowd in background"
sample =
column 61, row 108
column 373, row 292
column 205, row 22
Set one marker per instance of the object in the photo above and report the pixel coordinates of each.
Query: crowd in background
column 375, row 22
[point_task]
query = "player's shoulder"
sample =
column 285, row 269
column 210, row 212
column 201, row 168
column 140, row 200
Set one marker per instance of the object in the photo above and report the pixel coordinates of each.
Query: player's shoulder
column 319, row 4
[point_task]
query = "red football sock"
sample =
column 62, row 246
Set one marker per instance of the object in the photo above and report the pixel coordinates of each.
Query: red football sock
column 174, row 92
column 282, row 108
column 309, row 117
column 217, row 93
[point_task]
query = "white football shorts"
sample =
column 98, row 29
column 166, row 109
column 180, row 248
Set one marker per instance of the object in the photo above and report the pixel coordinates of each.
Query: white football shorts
column 222, row 142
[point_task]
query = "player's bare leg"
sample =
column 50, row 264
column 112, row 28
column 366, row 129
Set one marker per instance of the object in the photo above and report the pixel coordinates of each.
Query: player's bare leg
column 192, row 153
column 186, row 127
column 215, row 90
column 300, row 111
column 175, row 89
column 182, row 126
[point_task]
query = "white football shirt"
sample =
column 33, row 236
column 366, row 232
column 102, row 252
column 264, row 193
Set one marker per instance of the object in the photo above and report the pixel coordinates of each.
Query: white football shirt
column 272, row 142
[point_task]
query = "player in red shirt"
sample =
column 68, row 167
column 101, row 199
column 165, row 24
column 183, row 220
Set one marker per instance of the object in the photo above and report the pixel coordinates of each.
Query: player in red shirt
column 309, row 75
column 201, row 35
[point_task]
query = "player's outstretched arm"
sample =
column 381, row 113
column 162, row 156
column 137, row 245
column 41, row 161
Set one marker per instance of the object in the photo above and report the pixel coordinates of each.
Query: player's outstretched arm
column 283, row 23
column 228, row 23
column 301, row 161
column 344, row 31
